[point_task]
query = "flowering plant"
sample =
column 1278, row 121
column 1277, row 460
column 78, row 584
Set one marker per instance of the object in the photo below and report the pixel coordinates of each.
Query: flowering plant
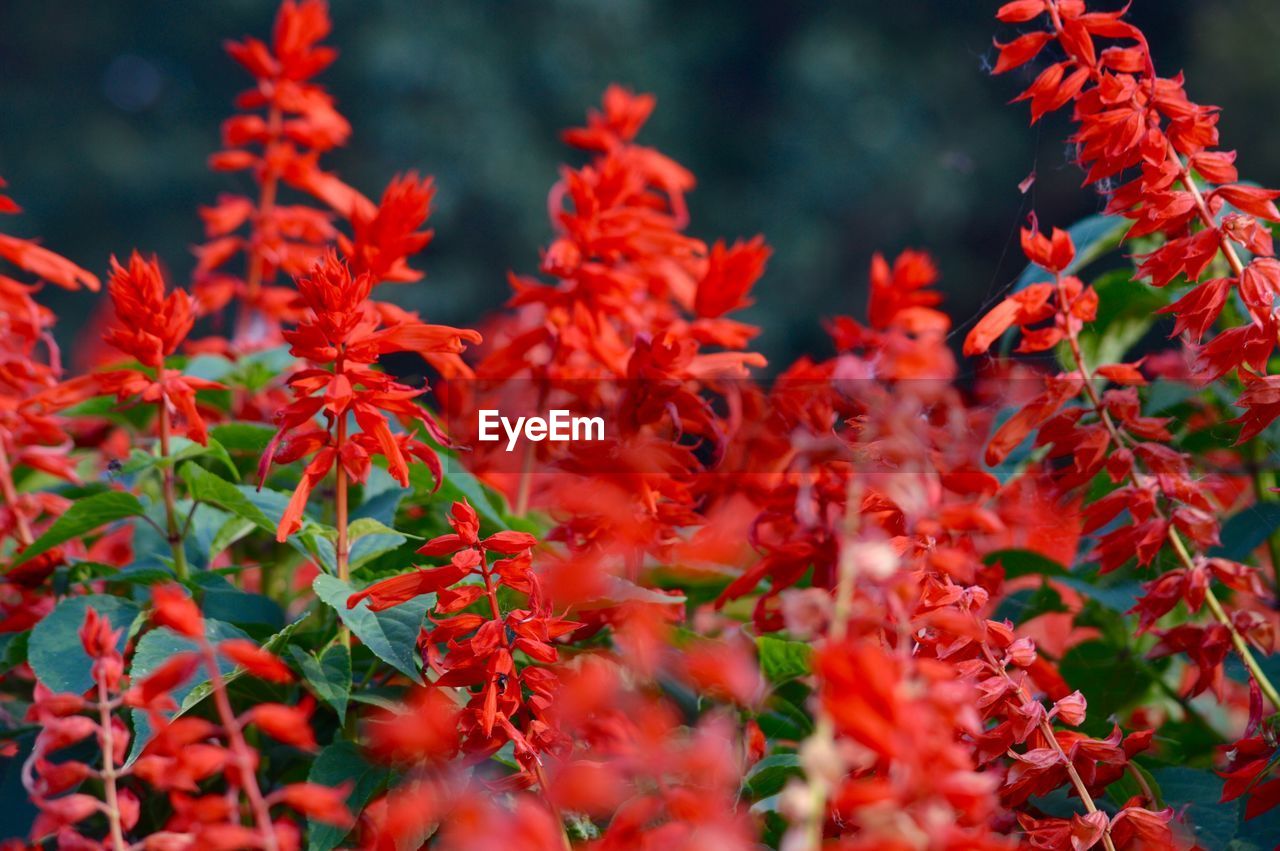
column 259, row 592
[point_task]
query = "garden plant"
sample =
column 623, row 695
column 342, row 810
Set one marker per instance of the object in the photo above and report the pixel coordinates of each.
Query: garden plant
column 1009, row 582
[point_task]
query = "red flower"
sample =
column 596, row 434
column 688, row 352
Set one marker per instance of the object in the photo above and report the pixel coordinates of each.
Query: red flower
column 286, row 123
column 39, row 261
column 1144, row 131
column 148, row 326
column 174, row 609
column 30, row 365
column 260, row 663
column 343, row 337
column 479, row 652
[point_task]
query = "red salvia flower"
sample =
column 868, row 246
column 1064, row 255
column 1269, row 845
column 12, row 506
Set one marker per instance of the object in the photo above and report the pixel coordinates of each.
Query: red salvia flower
column 290, row 121
column 343, row 336
column 475, row 651
column 149, row 326
column 30, row 364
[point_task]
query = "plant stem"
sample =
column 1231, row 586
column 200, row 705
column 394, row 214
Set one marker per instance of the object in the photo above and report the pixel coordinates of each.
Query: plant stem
column 824, row 731
column 239, row 749
column 1242, row 646
column 342, row 548
column 170, row 499
column 551, row 805
column 491, row 593
column 1143, row 785
column 106, row 739
column 1046, row 730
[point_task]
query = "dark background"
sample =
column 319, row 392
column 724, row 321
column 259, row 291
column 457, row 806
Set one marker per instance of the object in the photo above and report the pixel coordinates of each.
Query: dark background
column 835, row 128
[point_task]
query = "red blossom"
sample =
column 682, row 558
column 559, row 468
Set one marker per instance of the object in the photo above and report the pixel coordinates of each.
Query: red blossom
column 343, row 336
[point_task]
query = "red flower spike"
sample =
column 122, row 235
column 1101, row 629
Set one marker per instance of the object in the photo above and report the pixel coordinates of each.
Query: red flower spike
column 148, row 326
column 480, row 649
column 342, row 337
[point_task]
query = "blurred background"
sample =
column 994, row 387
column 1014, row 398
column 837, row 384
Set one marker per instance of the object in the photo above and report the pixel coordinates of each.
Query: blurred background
column 835, row 128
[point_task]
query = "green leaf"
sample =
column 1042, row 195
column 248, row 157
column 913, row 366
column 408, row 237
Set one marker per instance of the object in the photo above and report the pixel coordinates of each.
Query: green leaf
column 391, row 635
column 784, row 717
column 1248, row 530
column 1024, row 563
column 257, row 370
column 206, row 487
column 1111, row 591
column 231, row 531
column 783, row 660
column 368, row 538
column 225, row 602
column 208, row 367
column 13, row 650
column 1025, row 604
column 769, row 775
column 55, row 651
column 458, row 485
column 337, row 764
column 1217, row 826
column 1109, row 676
column 82, row 517
column 180, row 449
column 132, row 575
column 243, row 437
column 329, row 676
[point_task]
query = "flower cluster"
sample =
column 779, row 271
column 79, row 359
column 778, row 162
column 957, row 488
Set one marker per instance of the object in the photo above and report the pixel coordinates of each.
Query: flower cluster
column 287, row 122
column 31, row 437
column 872, row 603
column 471, row 650
column 180, row 755
column 342, row 337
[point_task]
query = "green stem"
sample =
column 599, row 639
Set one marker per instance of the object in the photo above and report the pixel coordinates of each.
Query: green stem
column 342, row 548
column 1242, row 646
column 170, row 497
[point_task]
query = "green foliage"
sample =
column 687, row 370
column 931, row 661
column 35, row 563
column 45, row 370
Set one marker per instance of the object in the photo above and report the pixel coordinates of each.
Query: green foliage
column 329, row 675
column 1218, row 826
column 783, row 660
column 391, row 635
column 157, row 647
column 341, row 763
column 54, row 650
column 204, row 486
column 85, row 515
column 181, row 449
column 368, row 538
column 1114, row 591
column 769, row 775
column 1126, row 312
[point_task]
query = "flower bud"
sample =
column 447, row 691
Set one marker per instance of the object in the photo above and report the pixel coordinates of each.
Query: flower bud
column 1022, row 652
column 1071, row 709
